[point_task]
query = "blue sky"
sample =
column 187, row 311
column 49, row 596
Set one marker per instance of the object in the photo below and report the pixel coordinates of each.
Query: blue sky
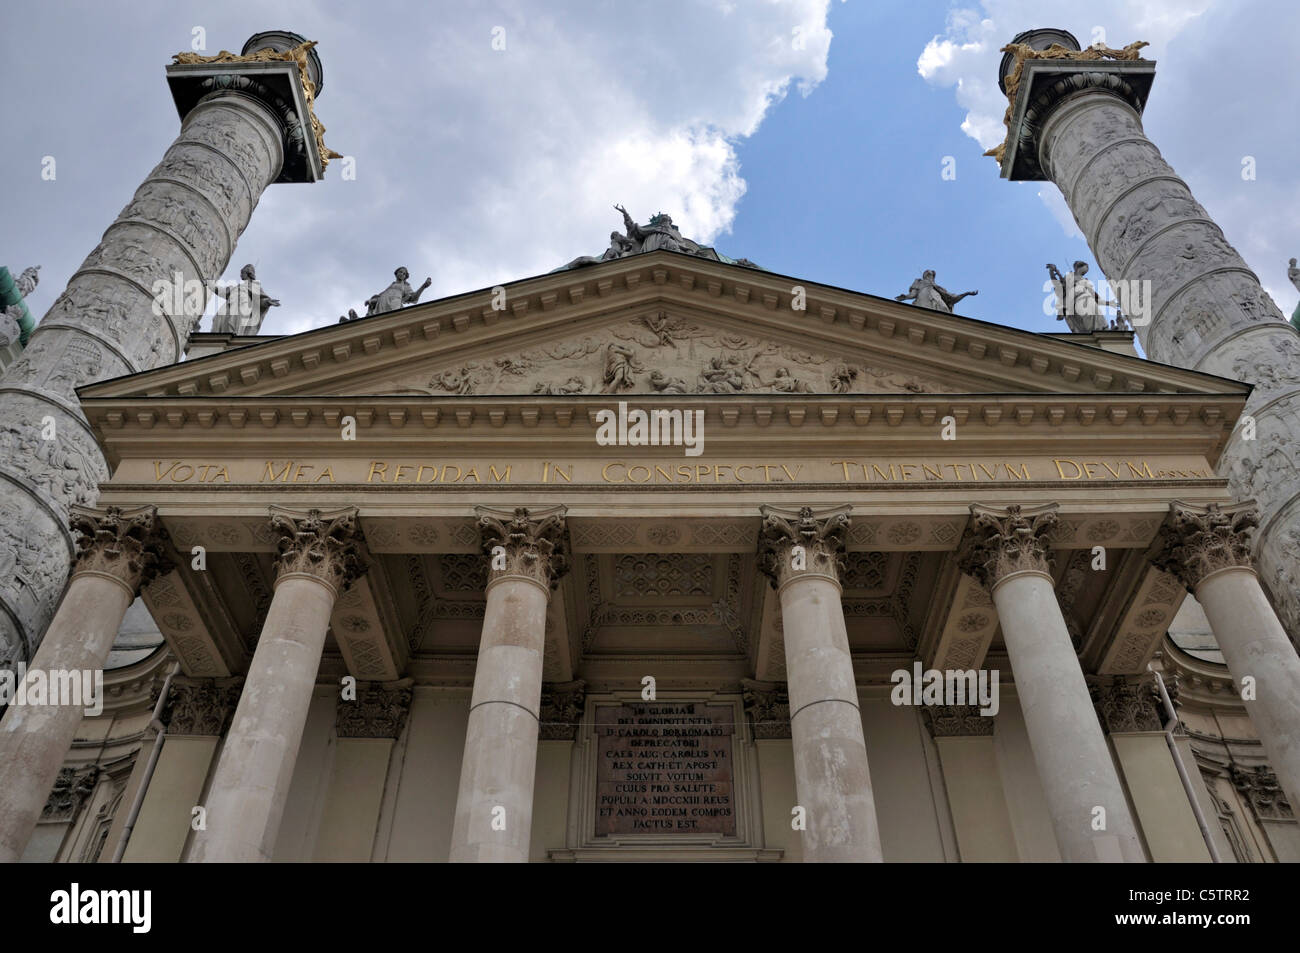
column 819, row 158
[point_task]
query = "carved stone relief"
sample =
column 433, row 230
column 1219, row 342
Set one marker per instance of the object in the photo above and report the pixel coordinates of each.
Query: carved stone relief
column 658, row 354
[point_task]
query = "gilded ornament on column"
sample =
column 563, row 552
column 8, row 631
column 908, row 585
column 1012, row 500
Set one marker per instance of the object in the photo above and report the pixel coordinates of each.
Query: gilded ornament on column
column 802, row 542
column 523, row 542
column 1005, row 540
column 1196, row 541
column 326, row 544
column 128, row 544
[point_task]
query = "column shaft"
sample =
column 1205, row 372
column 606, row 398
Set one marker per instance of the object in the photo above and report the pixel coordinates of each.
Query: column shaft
column 117, row 551
column 1255, row 645
column 801, row 551
column 319, row 557
column 1074, row 763
column 494, row 806
column 34, row 739
column 246, row 799
column 832, row 779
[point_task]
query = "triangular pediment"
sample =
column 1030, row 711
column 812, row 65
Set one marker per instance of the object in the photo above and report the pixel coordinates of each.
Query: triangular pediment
column 662, row 323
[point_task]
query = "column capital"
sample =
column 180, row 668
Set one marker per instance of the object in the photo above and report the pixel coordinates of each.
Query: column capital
column 1001, row 541
column 378, row 711
column 562, row 707
column 325, row 544
column 1126, row 703
column 524, row 542
column 1041, row 69
column 957, row 721
column 128, row 545
column 1197, row 541
column 819, row 533
column 201, row 706
column 768, row 707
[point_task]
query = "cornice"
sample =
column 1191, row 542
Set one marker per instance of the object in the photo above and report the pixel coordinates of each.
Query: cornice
column 761, row 299
column 1188, row 423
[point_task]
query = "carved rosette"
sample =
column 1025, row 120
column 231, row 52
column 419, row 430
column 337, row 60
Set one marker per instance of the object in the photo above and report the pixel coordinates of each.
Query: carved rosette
column 768, row 707
column 71, row 788
column 1002, row 541
column 522, row 542
column 1258, row 786
column 562, row 707
column 1196, row 541
column 803, row 542
column 326, row 544
column 956, row 721
column 1126, row 703
column 201, row 706
column 378, row 711
column 128, row 544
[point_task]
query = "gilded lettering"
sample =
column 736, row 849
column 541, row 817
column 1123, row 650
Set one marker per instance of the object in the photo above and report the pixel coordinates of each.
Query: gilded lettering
column 269, row 474
column 377, row 467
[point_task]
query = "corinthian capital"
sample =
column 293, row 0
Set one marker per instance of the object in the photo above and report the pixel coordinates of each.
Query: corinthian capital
column 321, row 543
column 802, row 542
column 522, row 542
column 128, row 544
column 1196, row 541
column 1001, row 541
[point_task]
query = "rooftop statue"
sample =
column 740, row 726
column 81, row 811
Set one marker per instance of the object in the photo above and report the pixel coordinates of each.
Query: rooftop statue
column 1294, row 274
column 924, row 293
column 243, row 306
column 13, row 309
column 396, row 295
column 1077, row 301
column 660, row 234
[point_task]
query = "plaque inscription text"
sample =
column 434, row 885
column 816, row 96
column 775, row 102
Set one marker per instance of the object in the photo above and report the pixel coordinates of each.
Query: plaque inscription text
column 664, row 768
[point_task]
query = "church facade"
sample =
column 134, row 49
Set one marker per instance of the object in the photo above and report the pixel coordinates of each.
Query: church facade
column 662, row 556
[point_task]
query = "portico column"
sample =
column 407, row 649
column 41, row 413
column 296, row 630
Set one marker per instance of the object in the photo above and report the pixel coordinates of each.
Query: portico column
column 494, row 806
column 319, row 557
column 1208, row 549
column 1007, row 551
column 118, row 551
column 801, row 552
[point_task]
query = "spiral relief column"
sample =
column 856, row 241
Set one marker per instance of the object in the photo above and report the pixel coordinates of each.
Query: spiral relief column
column 1076, row 119
column 246, row 123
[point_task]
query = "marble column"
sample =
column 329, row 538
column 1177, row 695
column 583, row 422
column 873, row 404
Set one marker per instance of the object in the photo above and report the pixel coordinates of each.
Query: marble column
column 801, row 552
column 1208, row 549
column 243, row 127
column 320, row 555
column 526, row 556
column 118, row 551
column 1007, row 551
column 1079, row 124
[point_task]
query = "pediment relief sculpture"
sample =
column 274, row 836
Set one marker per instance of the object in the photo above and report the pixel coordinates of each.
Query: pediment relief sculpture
column 660, row 354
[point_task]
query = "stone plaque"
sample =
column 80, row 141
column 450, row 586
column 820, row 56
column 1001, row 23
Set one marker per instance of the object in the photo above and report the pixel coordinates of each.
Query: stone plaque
column 664, row 768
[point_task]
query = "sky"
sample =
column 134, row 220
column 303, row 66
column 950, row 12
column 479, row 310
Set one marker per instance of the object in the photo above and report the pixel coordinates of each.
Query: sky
column 810, row 136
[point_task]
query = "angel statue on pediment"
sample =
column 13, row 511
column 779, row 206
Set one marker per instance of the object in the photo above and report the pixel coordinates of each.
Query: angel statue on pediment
column 925, row 293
